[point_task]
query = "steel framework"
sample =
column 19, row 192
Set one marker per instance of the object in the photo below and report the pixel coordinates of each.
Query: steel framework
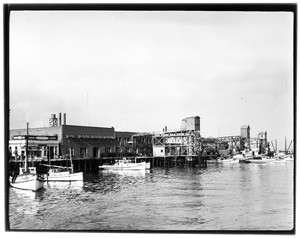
column 178, row 143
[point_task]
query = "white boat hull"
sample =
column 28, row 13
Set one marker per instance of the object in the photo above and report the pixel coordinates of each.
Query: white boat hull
column 126, row 166
column 65, row 176
column 226, row 161
column 31, row 182
column 289, row 158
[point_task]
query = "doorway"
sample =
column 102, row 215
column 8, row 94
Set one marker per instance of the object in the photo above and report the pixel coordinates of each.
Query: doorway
column 96, row 152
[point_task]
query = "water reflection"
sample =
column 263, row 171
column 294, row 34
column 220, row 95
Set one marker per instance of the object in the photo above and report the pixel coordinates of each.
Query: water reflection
column 125, row 173
column 220, row 197
column 26, row 194
column 69, row 185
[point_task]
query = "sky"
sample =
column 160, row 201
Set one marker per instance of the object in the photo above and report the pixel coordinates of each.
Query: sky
column 141, row 71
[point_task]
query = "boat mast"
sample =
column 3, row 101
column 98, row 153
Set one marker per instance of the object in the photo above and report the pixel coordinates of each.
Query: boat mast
column 290, row 145
column 285, row 146
column 27, row 151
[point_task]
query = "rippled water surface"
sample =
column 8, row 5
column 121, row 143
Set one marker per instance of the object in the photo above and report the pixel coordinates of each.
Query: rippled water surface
column 220, row 197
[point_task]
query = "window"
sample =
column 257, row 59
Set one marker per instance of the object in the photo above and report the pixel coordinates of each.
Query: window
column 83, row 152
column 70, row 151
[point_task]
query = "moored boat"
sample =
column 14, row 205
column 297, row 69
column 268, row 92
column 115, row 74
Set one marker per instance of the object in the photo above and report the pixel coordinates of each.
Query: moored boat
column 126, row 164
column 257, row 160
column 61, row 174
column 28, row 179
column 289, row 158
column 228, row 160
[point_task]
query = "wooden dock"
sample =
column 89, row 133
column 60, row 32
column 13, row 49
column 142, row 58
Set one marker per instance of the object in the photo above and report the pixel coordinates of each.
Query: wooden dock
column 92, row 164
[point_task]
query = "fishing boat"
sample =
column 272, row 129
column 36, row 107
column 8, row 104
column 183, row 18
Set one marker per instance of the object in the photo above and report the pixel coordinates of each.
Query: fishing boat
column 126, row 164
column 261, row 159
column 289, row 158
column 28, row 178
column 257, row 160
column 238, row 156
column 228, row 160
column 245, row 156
column 225, row 160
column 268, row 159
column 62, row 174
column 279, row 160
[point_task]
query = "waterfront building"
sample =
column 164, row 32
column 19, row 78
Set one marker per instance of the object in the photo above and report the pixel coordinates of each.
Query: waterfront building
column 143, row 144
column 182, row 142
column 245, row 131
column 124, row 142
column 60, row 139
column 190, row 124
column 260, row 144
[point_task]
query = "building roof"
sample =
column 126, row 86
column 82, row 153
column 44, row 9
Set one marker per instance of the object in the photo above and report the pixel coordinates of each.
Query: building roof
column 245, row 126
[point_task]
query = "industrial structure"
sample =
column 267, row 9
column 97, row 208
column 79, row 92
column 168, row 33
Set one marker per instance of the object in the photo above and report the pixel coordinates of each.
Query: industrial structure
column 60, row 140
column 183, row 142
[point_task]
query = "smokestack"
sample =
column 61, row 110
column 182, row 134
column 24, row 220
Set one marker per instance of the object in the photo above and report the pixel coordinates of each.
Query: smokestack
column 59, row 119
column 165, row 128
column 65, row 119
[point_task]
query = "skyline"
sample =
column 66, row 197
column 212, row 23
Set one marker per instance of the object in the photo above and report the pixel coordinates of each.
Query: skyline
column 147, row 70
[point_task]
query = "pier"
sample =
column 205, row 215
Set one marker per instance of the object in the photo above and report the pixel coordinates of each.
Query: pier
column 89, row 147
column 92, row 164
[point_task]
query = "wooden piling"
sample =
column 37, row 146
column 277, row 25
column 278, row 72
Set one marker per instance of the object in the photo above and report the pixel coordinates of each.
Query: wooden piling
column 152, row 164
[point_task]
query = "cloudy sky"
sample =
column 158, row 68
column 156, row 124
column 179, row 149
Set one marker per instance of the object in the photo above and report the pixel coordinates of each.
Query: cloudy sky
column 141, row 71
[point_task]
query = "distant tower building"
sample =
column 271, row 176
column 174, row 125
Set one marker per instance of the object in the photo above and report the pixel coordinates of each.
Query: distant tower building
column 190, row 124
column 53, row 121
column 263, row 142
column 245, row 131
column 262, row 136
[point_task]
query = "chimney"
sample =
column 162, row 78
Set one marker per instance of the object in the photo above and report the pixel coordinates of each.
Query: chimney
column 59, row 119
column 165, row 128
column 65, row 119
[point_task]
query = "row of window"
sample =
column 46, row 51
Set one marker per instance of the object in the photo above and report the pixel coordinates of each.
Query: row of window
column 144, row 140
column 84, row 151
column 124, row 139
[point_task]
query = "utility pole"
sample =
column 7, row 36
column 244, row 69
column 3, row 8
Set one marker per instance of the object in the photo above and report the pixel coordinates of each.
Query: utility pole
column 285, row 145
column 87, row 102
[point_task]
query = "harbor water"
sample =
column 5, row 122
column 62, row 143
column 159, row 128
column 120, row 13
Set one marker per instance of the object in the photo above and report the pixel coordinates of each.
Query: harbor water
column 221, row 197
